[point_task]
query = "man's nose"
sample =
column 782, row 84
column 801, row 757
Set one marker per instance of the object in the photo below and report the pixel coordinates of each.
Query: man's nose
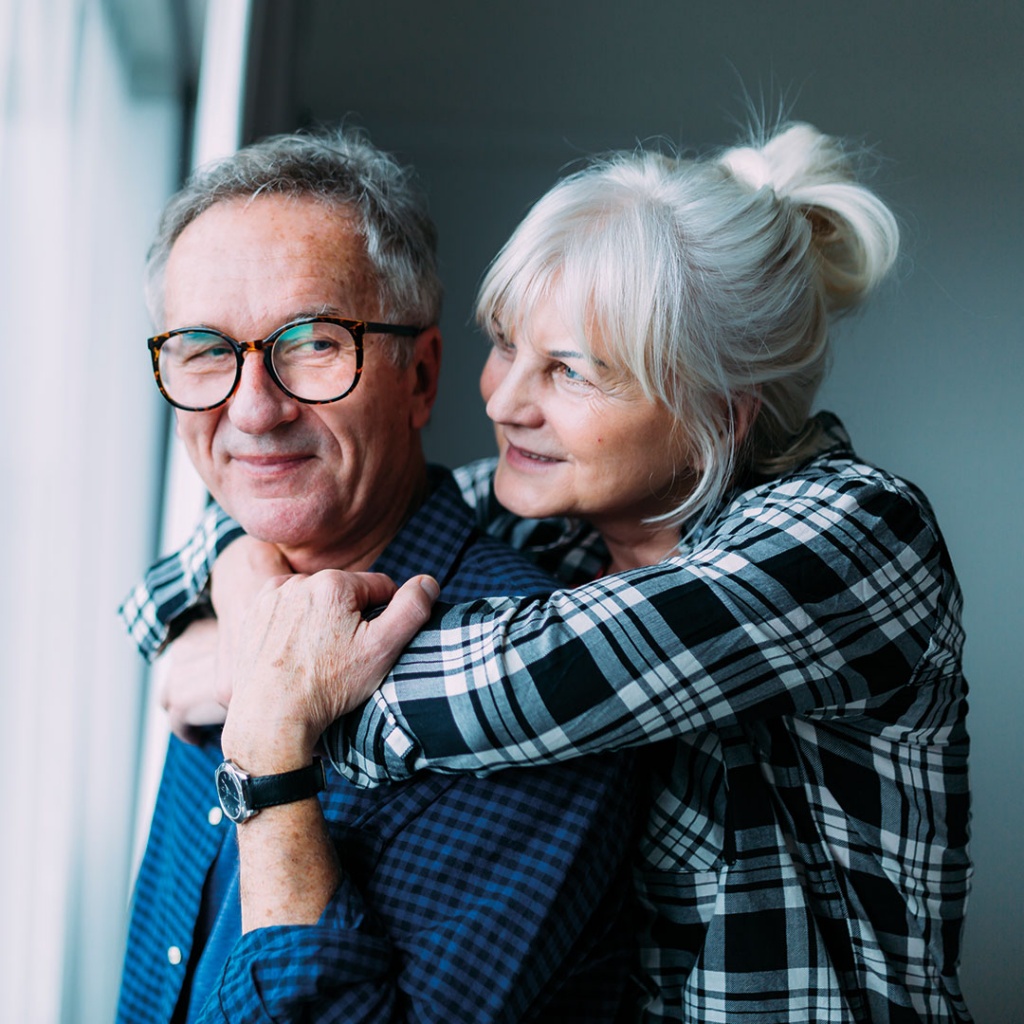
column 258, row 404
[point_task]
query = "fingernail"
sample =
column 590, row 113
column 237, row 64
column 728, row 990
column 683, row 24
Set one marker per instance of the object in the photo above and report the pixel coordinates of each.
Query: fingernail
column 430, row 587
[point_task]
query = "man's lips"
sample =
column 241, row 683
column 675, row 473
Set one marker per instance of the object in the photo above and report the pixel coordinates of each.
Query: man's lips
column 270, row 463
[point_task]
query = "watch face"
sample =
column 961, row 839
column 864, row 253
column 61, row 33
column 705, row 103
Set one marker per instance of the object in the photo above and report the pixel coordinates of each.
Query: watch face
column 229, row 791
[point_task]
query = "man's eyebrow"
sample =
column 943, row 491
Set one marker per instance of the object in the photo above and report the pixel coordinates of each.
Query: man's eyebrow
column 326, row 309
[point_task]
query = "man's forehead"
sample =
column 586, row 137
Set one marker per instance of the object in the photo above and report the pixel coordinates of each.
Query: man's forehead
column 308, row 220
column 270, row 256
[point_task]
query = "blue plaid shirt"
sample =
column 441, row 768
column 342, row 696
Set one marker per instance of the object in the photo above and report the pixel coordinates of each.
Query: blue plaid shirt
column 462, row 899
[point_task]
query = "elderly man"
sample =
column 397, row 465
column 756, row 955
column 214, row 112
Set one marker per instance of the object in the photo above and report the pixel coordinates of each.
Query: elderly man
column 297, row 290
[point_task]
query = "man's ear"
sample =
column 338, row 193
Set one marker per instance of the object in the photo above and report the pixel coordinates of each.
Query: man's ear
column 426, row 369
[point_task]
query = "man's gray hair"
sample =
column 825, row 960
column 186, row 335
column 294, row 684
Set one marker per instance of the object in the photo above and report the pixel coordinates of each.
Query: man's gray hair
column 341, row 168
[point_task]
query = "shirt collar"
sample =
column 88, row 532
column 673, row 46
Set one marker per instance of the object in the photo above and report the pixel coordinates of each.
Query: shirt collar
column 433, row 537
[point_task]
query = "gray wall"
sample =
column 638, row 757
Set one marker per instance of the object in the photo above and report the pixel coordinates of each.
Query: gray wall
column 491, row 100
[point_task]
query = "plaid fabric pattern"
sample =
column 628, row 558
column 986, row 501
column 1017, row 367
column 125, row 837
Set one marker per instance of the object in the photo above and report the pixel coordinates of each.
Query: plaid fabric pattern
column 797, row 668
column 174, row 589
column 463, row 899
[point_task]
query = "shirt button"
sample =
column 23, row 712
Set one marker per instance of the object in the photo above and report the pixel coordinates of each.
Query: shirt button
column 215, row 816
column 174, row 955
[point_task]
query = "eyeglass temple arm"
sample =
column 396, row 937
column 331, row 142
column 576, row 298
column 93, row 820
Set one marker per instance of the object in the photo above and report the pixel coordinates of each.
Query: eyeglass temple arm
column 374, row 328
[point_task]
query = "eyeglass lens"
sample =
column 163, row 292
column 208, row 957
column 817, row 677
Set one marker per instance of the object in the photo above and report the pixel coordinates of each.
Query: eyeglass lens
column 315, row 361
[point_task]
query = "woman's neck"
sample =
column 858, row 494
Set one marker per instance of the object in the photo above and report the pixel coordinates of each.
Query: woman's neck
column 638, row 545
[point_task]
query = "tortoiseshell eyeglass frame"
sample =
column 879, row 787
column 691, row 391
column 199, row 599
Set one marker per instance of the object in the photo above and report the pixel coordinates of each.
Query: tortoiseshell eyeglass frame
column 357, row 328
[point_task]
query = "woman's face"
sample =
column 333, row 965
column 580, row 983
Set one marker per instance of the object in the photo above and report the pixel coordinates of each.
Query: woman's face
column 576, row 436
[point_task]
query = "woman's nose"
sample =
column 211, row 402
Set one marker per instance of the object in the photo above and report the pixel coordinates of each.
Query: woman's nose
column 507, row 386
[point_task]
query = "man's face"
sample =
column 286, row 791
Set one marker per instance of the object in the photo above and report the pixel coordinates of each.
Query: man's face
column 327, row 483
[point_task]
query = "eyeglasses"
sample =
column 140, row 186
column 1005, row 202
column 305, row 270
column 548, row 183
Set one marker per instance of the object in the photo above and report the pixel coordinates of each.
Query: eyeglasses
column 316, row 360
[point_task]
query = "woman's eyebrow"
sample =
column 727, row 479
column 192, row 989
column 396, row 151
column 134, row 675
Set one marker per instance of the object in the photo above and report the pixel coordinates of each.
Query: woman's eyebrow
column 569, row 354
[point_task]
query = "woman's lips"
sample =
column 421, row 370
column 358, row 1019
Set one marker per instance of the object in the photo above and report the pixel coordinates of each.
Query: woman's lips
column 516, row 455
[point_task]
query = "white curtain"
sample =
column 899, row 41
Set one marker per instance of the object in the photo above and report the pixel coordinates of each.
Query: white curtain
column 84, row 168
column 217, row 131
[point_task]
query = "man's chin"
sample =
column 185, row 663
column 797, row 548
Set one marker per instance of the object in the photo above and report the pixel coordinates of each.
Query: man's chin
column 284, row 522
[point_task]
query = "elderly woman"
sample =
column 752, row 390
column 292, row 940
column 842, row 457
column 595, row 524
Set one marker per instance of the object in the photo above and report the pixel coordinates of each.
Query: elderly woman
column 778, row 620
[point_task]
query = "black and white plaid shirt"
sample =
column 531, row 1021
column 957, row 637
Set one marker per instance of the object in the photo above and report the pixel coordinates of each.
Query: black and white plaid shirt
column 796, row 672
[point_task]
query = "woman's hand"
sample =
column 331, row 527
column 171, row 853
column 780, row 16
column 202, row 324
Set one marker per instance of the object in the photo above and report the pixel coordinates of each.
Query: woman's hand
column 306, row 655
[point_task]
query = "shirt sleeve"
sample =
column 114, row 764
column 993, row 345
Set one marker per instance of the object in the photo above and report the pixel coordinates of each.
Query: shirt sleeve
column 336, row 970
column 175, row 589
column 500, row 898
column 815, row 597
column 474, row 483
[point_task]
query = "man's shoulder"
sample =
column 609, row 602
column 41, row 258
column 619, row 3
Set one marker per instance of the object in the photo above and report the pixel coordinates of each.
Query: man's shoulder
column 490, row 568
column 485, row 566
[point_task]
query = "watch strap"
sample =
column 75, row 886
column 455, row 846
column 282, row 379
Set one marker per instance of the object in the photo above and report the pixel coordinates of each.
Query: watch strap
column 287, row 787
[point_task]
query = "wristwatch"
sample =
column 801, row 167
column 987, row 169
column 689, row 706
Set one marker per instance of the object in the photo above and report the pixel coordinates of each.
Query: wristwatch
column 242, row 795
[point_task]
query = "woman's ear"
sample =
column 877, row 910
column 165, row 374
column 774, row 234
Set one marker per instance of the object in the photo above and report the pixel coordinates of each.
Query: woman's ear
column 745, row 408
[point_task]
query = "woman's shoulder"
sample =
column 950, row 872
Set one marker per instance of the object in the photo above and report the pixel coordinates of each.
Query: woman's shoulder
column 475, row 480
column 834, row 496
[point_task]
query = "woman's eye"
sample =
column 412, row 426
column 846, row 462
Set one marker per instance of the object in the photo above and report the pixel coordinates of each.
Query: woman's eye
column 571, row 375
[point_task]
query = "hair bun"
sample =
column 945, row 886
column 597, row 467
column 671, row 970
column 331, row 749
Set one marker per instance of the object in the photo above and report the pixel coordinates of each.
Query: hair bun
column 853, row 231
column 796, row 157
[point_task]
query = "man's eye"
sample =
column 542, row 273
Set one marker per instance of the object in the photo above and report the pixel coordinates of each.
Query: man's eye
column 204, row 352
column 217, row 352
column 317, row 345
column 307, row 347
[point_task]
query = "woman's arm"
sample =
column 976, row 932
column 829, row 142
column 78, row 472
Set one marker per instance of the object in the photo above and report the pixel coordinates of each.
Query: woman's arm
column 817, row 596
column 175, row 588
column 197, row 682
column 818, row 591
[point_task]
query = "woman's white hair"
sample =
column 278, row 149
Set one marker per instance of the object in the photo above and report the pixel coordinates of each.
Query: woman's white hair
column 711, row 282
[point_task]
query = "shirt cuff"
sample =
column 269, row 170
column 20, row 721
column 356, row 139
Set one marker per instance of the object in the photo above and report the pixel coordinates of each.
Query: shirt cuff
column 174, row 588
column 369, row 747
